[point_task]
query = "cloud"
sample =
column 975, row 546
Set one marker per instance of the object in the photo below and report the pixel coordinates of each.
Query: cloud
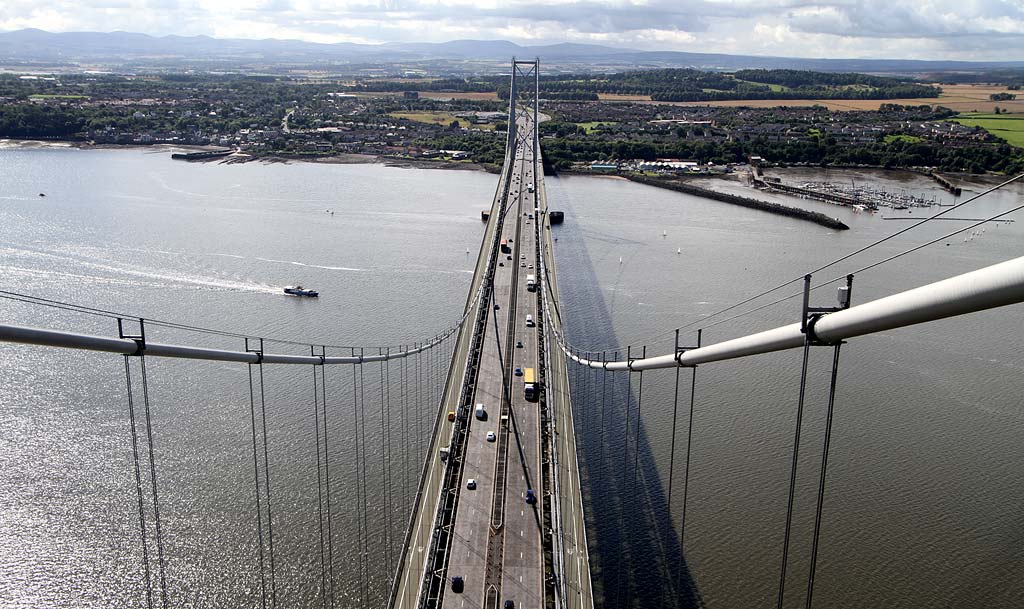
column 939, row 29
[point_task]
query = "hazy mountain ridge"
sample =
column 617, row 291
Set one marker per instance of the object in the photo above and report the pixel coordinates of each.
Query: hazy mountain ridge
column 123, row 48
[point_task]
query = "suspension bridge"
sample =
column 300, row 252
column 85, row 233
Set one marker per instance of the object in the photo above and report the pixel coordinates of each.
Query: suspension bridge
column 488, row 412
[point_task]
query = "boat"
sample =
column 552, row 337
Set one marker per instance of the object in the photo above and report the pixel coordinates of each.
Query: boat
column 298, row 290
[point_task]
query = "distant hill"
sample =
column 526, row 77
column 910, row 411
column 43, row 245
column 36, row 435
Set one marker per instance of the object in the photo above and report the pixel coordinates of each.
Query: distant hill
column 126, row 50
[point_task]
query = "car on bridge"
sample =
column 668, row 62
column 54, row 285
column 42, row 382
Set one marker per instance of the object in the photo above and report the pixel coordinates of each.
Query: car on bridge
column 471, row 484
column 458, row 584
column 491, row 436
column 519, row 344
column 518, row 371
column 531, row 497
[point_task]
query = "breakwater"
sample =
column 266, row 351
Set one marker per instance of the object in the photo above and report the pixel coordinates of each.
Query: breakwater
column 772, row 208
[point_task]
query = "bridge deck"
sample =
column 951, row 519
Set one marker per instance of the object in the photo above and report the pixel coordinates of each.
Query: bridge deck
column 496, row 541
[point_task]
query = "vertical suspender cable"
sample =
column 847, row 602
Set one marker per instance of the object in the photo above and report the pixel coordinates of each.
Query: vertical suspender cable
column 266, row 484
column 686, row 475
column 152, row 477
column 319, row 485
column 362, row 480
column 622, row 480
column 327, row 475
column 384, row 471
column 821, row 478
column 390, row 468
column 672, row 451
column 419, row 403
column 672, row 456
column 636, row 451
column 360, row 530
column 604, row 382
column 404, row 382
column 363, row 476
column 138, row 484
column 792, row 470
column 256, row 483
column 636, row 438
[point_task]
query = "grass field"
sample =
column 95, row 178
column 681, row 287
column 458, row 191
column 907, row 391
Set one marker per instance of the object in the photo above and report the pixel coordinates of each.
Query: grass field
column 1010, row 127
column 440, row 118
column 962, row 98
column 593, row 125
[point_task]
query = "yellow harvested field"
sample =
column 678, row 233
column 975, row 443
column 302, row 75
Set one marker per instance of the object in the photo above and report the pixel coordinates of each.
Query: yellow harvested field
column 618, row 97
column 962, row 98
column 458, row 95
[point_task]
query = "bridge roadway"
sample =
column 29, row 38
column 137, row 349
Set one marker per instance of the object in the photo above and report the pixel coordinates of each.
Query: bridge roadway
column 497, row 543
column 497, row 538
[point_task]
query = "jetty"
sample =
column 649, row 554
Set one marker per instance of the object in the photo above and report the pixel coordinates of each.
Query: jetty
column 202, row 155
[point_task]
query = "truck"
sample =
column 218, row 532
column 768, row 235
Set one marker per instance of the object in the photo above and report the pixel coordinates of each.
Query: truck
column 531, row 282
column 529, row 384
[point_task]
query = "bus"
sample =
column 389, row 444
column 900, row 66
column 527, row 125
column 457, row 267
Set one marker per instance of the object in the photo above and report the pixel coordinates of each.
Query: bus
column 529, row 384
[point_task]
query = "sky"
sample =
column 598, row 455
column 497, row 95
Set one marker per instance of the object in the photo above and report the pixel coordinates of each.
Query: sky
column 899, row 29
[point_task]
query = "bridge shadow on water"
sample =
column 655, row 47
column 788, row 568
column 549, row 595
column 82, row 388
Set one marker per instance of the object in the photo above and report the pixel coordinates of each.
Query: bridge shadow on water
column 634, row 541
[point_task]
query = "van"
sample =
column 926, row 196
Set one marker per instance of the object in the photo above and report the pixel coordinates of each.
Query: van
column 480, row 413
column 529, row 321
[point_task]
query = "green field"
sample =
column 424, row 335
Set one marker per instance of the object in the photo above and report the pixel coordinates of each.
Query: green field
column 1010, row 127
column 594, row 125
column 440, row 118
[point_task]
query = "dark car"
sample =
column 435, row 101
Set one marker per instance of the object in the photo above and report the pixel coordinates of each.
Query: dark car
column 458, row 584
column 531, row 498
column 510, row 605
column 519, row 344
column 518, row 371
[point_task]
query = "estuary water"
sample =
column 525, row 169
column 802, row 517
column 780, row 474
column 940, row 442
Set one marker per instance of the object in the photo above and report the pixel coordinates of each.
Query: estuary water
column 922, row 505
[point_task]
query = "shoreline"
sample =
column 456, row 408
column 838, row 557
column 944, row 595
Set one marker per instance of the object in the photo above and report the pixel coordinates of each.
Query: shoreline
column 341, row 158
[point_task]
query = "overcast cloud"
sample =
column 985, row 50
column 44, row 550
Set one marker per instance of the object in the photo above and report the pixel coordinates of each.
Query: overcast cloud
column 924, row 29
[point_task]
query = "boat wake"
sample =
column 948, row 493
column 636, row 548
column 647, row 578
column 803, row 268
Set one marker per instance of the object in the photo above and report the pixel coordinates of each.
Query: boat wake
column 107, row 270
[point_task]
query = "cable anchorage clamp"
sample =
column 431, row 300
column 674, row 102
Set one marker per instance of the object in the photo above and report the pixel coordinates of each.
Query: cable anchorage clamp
column 810, row 315
column 258, row 352
column 140, row 338
column 681, row 350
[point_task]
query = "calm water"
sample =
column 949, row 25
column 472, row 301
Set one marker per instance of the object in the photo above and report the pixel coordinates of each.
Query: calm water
column 924, row 489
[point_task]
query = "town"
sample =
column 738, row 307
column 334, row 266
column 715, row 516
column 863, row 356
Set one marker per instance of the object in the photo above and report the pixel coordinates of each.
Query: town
column 271, row 117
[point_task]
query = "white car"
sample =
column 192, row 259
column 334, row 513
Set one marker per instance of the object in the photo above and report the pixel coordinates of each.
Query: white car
column 471, row 484
column 491, row 436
